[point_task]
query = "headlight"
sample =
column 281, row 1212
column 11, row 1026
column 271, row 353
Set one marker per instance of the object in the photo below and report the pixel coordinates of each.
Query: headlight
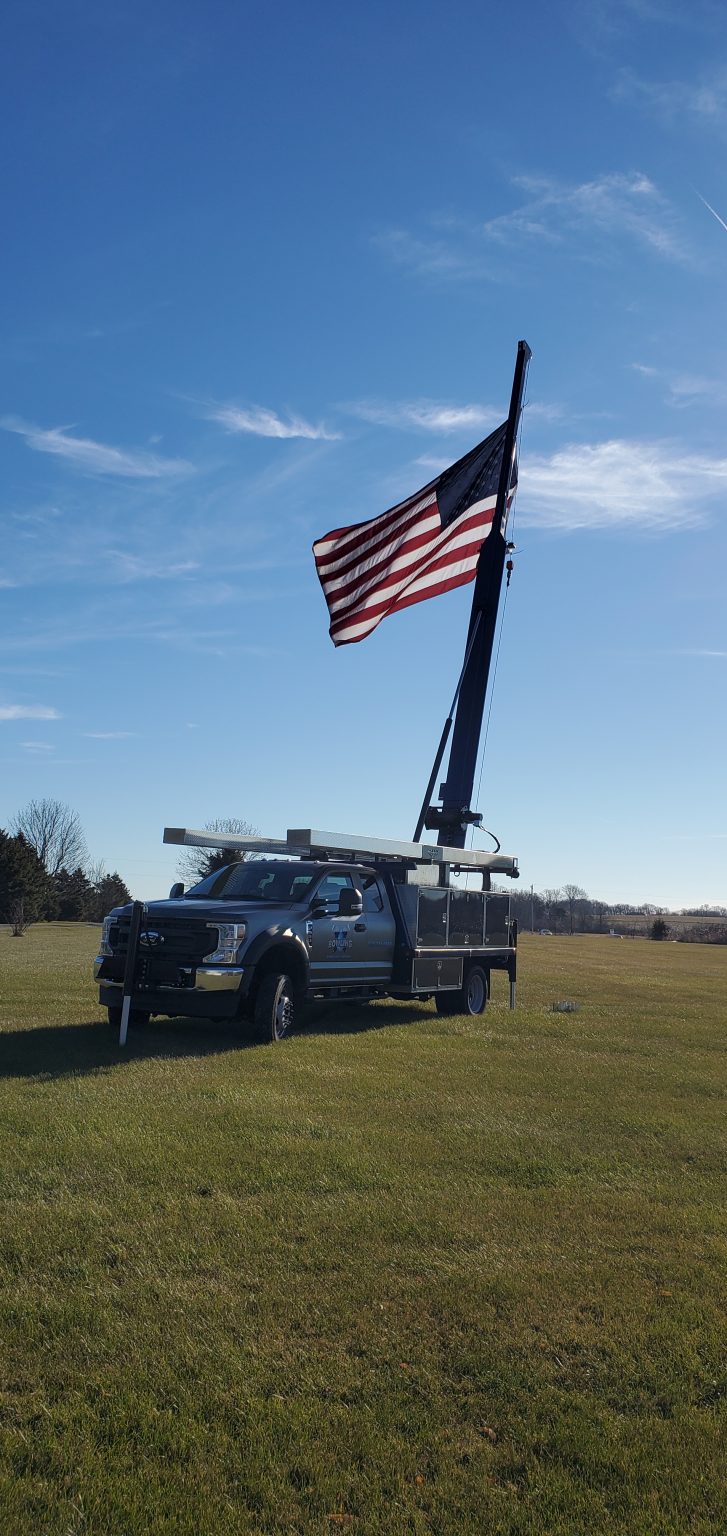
column 229, row 939
column 108, row 924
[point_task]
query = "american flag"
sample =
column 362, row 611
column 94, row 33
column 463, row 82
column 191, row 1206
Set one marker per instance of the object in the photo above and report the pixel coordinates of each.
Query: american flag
column 425, row 545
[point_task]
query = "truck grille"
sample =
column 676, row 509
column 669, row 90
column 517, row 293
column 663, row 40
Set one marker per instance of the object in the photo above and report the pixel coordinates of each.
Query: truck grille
column 185, row 943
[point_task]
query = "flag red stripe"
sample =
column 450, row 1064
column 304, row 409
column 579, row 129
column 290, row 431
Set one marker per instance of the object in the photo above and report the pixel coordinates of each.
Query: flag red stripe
column 360, row 585
column 447, row 584
column 341, row 567
column 351, row 536
column 443, row 558
column 407, row 600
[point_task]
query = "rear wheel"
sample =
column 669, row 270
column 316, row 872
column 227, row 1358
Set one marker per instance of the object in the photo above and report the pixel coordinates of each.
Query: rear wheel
column 275, row 1009
column 471, row 998
column 475, row 990
column 448, row 1003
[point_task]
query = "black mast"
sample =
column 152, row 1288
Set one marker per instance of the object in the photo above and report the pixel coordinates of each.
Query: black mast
column 455, row 815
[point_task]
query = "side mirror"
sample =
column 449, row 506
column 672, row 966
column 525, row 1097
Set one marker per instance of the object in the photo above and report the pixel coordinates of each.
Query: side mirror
column 176, row 891
column 320, row 906
column 350, row 903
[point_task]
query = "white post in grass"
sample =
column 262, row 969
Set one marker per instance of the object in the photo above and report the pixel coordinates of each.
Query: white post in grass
column 125, row 1011
column 137, row 911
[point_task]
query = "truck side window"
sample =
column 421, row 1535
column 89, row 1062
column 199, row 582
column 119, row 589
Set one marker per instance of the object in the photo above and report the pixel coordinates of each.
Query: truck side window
column 331, row 886
column 372, row 901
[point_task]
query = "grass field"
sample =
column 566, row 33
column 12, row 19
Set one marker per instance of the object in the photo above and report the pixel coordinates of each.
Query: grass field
column 398, row 1275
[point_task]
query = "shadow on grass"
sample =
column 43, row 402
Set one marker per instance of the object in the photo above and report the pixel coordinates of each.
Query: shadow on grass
column 67, row 1050
column 353, row 1019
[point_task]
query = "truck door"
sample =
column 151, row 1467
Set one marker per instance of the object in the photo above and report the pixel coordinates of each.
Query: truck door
column 377, row 929
column 334, row 946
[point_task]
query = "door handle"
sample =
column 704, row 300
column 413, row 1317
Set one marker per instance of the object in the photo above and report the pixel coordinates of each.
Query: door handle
column 359, row 927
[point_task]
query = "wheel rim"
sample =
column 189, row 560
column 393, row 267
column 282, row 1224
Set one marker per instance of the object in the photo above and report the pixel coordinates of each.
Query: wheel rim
column 284, row 1015
column 476, row 992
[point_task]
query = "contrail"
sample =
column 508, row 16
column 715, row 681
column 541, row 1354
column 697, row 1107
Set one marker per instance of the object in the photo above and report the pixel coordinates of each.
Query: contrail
column 712, row 210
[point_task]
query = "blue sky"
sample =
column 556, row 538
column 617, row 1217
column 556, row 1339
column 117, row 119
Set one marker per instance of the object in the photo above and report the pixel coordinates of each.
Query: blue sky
column 264, row 270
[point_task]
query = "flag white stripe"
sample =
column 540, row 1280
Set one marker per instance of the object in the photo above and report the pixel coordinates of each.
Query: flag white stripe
column 373, row 530
column 422, row 526
column 389, row 595
column 357, row 629
column 388, row 556
column 403, row 565
column 487, row 503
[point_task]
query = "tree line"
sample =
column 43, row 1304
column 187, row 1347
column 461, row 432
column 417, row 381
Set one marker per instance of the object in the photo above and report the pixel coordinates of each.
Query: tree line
column 569, row 909
column 46, row 873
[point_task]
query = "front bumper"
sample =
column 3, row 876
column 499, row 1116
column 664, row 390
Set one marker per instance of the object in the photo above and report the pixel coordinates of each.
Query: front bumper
column 211, row 990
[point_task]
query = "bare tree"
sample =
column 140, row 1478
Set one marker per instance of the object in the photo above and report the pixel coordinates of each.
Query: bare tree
column 55, row 832
column 573, row 895
column 95, row 871
column 551, row 897
column 18, row 919
column 196, row 863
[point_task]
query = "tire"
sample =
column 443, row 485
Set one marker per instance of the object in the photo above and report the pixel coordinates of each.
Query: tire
column 471, row 999
column 475, row 990
column 448, row 1003
column 275, row 1009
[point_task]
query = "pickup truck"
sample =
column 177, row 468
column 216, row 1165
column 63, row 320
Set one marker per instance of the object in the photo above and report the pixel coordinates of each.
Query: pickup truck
column 258, row 940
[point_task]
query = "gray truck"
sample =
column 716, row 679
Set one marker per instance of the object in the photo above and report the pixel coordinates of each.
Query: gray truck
column 319, row 917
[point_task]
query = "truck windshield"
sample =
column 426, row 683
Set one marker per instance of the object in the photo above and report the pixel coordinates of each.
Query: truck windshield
column 257, row 880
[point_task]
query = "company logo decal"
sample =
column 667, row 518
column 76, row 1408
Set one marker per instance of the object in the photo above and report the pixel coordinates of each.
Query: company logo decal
column 340, row 941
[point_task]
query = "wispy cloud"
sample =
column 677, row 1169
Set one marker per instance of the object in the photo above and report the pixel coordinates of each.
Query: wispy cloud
column 425, row 415
column 613, row 206
column 130, row 567
column 433, row 255
column 94, row 458
column 700, row 651
column 544, row 410
column 683, row 389
column 702, row 100
column 27, row 712
column 109, row 735
column 258, row 421
column 590, row 219
column 652, row 486
column 38, row 746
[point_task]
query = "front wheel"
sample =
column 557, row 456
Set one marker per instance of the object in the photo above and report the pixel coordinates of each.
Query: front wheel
column 274, row 1011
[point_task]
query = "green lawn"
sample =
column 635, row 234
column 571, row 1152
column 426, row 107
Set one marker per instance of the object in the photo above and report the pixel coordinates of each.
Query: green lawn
column 400, row 1274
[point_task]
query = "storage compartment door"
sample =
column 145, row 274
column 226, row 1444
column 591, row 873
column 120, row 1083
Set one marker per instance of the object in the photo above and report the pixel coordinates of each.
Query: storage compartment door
column 437, row 973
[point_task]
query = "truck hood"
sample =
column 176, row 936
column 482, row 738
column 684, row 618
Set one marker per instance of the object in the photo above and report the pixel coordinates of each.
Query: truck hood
column 230, row 911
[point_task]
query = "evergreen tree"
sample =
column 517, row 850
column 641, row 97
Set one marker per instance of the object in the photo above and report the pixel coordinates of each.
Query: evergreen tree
column 73, row 894
column 23, row 878
column 109, row 892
